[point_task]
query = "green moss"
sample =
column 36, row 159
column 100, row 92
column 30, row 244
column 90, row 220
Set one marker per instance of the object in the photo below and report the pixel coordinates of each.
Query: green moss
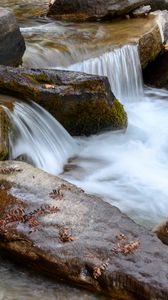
column 87, row 117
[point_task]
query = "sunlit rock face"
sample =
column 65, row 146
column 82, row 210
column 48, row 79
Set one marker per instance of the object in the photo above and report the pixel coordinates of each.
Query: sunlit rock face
column 12, row 44
column 67, row 234
column 91, row 9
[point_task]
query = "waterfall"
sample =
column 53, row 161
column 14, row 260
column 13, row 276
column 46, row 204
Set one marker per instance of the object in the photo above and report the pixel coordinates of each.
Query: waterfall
column 39, row 138
column 123, row 69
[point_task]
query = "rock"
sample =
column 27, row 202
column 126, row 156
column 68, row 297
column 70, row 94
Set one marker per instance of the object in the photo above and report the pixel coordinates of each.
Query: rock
column 82, row 103
column 161, row 231
column 150, row 45
column 58, row 230
column 159, row 4
column 156, row 73
column 12, row 44
column 82, row 10
column 141, row 11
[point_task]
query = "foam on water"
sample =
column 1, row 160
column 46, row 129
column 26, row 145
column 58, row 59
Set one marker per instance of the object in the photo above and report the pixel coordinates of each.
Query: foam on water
column 130, row 170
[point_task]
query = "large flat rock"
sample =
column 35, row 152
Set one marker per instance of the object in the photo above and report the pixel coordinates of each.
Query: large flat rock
column 12, row 44
column 59, row 230
column 80, row 10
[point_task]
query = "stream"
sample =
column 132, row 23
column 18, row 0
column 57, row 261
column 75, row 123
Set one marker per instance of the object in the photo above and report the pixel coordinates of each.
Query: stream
column 128, row 169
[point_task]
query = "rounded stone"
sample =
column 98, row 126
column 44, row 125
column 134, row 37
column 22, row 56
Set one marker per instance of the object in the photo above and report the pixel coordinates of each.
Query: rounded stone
column 12, row 45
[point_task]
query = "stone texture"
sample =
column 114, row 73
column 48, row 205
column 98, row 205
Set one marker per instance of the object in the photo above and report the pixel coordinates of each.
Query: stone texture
column 81, row 10
column 78, row 243
column 159, row 4
column 156, row 73
column 12, row 44
column 150, row 45
column 82, row 103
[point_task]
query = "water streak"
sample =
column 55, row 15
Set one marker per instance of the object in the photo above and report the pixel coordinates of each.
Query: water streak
column 123, row 69
column 39, row 138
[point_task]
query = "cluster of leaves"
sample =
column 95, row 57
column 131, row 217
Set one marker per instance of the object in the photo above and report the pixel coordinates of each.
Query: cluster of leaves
column 57, row 194
column 7, row 171
column 98, row 270
column 20, row 216
column 124, row 246
column 65, row 236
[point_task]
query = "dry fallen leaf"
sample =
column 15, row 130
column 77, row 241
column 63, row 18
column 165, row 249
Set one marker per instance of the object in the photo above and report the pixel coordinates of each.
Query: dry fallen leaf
column 49, row 86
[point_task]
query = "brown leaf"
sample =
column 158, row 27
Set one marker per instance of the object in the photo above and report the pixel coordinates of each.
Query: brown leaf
column 49, row 86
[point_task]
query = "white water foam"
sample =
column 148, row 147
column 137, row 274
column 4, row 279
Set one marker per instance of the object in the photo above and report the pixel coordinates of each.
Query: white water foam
column 39, row 138
column 130, row 169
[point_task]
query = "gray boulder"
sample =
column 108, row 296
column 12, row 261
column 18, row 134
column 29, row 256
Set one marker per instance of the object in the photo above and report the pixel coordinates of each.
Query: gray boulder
column 12, row 44
column 80, row 10
column 60, row 231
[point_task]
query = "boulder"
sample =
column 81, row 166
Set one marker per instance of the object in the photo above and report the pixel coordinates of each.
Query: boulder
column 156, row 73
column 12, row 45
column 58, row 230
column 82, row 103
column 150, row 45
column 82, row 10
column 159, row 4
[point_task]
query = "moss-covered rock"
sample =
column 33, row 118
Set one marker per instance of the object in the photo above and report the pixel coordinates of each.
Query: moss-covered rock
column 82, row 103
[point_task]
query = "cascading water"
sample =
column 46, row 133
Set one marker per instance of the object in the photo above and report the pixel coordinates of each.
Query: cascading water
column 123, row 69
column 39, row 138
column 130, row 169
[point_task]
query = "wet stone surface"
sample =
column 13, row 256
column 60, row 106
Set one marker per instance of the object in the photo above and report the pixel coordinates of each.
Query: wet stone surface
column 67, row 234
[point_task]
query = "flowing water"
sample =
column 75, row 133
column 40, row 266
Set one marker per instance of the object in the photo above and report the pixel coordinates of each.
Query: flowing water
column 38, row 138
column 130, row 170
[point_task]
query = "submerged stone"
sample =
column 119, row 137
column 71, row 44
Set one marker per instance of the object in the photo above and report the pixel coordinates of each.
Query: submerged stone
column 58, row 230
column 12, row 45
column 82, row 103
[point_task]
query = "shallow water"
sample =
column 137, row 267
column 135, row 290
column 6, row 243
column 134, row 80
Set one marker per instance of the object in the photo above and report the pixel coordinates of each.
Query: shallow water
column 16, row 284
